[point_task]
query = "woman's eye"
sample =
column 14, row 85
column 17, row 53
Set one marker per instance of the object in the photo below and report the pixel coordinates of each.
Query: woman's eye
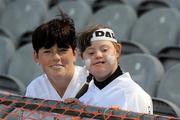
column 63, row 50
column 47, row 51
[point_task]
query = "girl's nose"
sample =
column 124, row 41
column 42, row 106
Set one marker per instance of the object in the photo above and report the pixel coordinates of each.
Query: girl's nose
column 99, row 54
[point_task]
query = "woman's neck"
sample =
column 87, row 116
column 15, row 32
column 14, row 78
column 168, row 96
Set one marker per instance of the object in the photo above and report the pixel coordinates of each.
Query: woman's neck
column 60, row 85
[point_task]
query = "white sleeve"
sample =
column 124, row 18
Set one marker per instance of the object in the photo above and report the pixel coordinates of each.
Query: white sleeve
column 142, row 103
column 30, row 91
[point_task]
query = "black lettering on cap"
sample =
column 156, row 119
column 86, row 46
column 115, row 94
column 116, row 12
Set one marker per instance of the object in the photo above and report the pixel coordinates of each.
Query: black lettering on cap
column 108, row 35
column 99, row 33
column 112, row 35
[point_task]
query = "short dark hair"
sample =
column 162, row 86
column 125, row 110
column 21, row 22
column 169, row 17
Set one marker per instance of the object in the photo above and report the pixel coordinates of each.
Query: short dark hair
column 60, row 31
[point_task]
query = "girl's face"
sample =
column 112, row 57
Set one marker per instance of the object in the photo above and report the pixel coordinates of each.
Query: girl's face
column 56, row 62
column 101, row 59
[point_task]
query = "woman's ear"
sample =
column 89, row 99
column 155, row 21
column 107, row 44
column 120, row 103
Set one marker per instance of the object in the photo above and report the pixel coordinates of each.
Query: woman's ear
column 75, row 53
column 35, row 57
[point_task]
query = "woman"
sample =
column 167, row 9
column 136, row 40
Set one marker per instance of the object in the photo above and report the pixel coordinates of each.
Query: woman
column 55, row 51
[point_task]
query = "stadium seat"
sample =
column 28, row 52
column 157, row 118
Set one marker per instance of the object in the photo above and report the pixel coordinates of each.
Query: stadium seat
column 10, row 84
column 129, row 47
column 79, row 61
column 25, row 38
column 23, row 66
column 165, row 107
column 6, row 33
column 99, row 4
column 120, row 17
column 169, row 86
column 157, row 29
column 2, row 6
column 90, row 2
column 144, row 69
column 53, row 3
column 21, row 16
column 169, row 56
column 7, row 50
column 133, row 3
column 148, row 5
column 173, row 3
column 80, row 11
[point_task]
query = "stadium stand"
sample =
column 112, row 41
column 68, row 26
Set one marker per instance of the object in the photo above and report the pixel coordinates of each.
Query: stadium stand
column 79, row 61
column 129, row 47
column 2, row 6
column 5, row 32
column 22, row 65
column 15, row 107
column 21, row 16
column 11, row 84
column 25, row 38
column 147, row 5
column 133, row 3
column 169, row 56
column 157, row 29
column 90, row 2
column 165, row 107
column 120, row 17
column 169, row 85
column 7, row 50
column 173, row 3
column 145, row 69
column 99, row 4
column 73, row 9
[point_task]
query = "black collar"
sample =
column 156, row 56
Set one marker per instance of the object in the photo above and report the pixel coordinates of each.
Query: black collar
column 102, row 84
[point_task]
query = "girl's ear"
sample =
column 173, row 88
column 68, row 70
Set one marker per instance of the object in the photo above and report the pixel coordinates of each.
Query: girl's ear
column 118, row 50
column 81, row 55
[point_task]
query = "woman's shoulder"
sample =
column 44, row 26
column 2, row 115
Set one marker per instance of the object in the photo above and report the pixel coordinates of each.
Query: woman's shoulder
column 37, row 81
column 38, row 87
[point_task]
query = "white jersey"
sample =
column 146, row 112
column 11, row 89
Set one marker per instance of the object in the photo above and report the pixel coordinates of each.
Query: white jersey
column 42, row 88
column 122, row 92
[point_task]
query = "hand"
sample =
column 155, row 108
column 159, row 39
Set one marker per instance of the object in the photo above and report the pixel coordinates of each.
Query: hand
column 115, row 107
column 72, row 101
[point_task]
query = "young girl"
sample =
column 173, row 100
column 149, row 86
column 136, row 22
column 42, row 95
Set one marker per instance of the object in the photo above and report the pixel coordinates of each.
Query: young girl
column 109, row 85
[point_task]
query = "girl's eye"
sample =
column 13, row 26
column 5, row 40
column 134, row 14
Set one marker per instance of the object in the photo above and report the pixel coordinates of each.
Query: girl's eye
column 105, row 49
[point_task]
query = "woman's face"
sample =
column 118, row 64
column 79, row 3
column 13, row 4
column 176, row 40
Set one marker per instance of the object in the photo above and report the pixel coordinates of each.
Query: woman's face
column 56, row 62
column 101, row 59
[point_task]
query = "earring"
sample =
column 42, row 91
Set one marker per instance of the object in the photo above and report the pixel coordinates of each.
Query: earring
column 38, row 63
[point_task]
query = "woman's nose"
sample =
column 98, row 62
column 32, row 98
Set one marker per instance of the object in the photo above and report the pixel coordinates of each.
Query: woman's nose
column 56, row 56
